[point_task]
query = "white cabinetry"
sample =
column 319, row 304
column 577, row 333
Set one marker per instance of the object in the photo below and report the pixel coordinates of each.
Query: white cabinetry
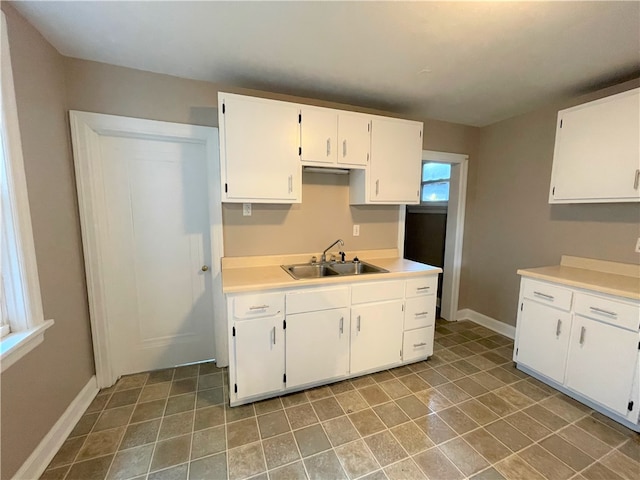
column 597, row 151
column 393, row 175
column 419, row 318
column 583, row 343
column 317, row 333
column 332, row 138
column 259, row 141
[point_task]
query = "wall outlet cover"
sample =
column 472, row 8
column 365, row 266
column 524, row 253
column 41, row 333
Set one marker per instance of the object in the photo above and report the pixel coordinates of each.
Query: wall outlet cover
column 246, row 209
column 638, row 245
column 356, row 230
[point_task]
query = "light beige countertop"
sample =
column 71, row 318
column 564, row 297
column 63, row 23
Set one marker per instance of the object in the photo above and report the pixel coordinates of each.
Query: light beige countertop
column 620, row 279
column 245, row 274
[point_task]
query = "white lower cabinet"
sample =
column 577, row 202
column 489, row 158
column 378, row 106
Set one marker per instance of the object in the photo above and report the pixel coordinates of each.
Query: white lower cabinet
column 587, row 348
column 376, row 335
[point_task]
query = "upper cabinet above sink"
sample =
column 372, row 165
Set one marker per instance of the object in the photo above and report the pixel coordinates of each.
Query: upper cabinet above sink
column 264, row 144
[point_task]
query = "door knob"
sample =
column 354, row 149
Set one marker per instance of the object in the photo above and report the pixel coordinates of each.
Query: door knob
column 205, row 268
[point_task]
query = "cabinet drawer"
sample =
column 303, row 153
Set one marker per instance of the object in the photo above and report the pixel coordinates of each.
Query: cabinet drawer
column 417, row 344
column 547, row 293
column 377, row 292
column 258, row 305
column 422, row 286
column 617, row 313
column 317, row 299
column 419, row 312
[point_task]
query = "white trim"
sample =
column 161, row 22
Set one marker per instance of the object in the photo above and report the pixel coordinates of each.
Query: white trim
column 16, row 345
column 488, row 322
column 402, row 218
column 37, row 462
column 86, row 129
column 454, row 229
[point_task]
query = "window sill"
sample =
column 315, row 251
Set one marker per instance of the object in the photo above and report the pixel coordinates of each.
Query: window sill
column 16, row 345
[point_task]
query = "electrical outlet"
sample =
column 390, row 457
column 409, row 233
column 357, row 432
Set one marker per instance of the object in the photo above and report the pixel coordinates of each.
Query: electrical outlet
column 246, row 209
column 638, row 245
column 356, row 230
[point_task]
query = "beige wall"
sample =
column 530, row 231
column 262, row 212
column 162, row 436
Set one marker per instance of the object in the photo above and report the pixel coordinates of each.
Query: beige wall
column 512, row 224
column 38, row 388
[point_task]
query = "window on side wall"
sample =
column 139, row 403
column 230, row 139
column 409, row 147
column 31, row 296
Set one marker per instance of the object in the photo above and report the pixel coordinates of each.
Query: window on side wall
column 436, row 178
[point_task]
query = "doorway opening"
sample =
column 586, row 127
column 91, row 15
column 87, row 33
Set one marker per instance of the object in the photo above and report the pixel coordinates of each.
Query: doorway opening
column 432, row 231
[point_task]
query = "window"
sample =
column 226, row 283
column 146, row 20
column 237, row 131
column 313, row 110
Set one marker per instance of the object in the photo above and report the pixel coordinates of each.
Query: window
column 435, row 183
column 22, row 323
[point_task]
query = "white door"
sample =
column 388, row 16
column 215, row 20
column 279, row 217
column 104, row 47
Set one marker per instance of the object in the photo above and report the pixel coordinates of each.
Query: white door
column 543, row 339
column 376, row 335
column 148, row 228
column 317, row 346
column 602, row 359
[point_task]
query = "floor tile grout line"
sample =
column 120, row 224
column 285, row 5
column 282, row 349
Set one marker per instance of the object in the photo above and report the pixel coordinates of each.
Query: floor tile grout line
column 155, row 444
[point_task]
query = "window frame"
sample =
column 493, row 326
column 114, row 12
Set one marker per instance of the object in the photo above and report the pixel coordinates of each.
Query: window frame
column 440, row 205
column 23, row 301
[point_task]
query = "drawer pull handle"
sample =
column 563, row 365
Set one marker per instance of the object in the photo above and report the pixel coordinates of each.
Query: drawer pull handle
column 545, row 296
column 259, row 307
column 423, row 288
column 358, row 326
column 558, row 327
column 583, row 331
column 274, row 335
column 421, row 313
column 341, row 324
column 422, row 344
column 604, row 312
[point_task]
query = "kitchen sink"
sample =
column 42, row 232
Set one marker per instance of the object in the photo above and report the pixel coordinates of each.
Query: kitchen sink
column 319, row 270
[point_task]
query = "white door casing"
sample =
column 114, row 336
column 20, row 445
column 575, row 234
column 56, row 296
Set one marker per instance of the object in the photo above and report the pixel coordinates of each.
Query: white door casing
column 454, row 230
column 137, row 181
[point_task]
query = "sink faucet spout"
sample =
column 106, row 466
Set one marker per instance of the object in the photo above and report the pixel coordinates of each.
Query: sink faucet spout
column 323, row 259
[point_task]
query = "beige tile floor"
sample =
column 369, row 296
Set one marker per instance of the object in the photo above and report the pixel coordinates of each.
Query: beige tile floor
column 464, row 413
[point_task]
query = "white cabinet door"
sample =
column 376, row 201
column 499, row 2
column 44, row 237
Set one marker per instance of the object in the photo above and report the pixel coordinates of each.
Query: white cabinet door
column 601, row 362
column 376, row 335
column 317, row 346
column 259, row 356
column 597, row 151
column 319, row 135
column 396, row 158
column 543, row 339
column 354, row 138
column 259, row 142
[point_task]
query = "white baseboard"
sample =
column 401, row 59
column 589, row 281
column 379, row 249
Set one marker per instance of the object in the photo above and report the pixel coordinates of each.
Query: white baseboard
column 37, row 462
column 491, row 323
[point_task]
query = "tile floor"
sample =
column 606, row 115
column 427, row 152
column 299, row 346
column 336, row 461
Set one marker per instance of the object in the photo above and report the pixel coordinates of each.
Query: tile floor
column 464, row 413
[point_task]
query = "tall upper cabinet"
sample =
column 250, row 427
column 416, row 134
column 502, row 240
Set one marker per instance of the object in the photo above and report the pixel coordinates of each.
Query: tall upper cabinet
column 597, row 151
column 259, row 150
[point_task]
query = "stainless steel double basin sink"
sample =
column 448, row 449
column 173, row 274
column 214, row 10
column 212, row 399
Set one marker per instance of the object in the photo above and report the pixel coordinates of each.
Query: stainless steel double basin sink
column 304, row 271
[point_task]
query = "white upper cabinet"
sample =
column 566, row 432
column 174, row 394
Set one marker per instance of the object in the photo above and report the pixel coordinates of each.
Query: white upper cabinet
column 393, row 175
column 333, row 138
column 259, row 142
column 597, row 151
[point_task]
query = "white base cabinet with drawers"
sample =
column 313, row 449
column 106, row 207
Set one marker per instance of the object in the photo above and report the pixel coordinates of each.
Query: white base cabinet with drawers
column 291, row 339
column 583, row 343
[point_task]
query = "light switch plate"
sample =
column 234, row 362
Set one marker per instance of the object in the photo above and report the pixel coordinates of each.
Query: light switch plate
column 356, row 230
column 246, row 209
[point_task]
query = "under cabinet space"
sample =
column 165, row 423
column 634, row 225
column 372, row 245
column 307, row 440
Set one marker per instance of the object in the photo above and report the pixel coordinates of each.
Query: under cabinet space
column 417, row 344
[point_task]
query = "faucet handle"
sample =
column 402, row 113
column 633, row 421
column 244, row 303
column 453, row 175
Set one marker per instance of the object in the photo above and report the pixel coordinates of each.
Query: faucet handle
column 332, row 258
column 314, row 259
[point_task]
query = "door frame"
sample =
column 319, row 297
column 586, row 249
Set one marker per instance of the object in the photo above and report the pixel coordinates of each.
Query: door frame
column 454, row 230
column 86, row 130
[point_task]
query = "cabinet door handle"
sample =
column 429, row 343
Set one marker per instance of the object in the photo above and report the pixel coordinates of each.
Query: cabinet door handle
column 290, row 183
column 636, row 180
column 344, row 148
column 603, row 312
column 377, row 186
column 328, row 146
column 341, row 325
column 583, row 331
column 544, row 295
column 421, row 313
column 358, row 325
column 259, row 307
column 273, row 334
column 422, row 344
column 558, row 327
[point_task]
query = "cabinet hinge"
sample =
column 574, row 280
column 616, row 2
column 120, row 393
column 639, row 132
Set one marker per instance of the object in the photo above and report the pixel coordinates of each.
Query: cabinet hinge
column 300, row 151
column 284, row 324
column 630, row 405
column 226, row 188
column 521, row 306
column 403, row 307
column 223, row 108
column 553, row 192
column 420, row 133
column 299, row 118
column 638, row 345
column 369, row 127
column 561, row 123
column 235, row 388
column 233, row 331
column 284, row 377
column 517, row 352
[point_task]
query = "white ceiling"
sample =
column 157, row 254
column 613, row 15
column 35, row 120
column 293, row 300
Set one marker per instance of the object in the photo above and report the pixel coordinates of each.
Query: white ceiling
column 467, row 62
